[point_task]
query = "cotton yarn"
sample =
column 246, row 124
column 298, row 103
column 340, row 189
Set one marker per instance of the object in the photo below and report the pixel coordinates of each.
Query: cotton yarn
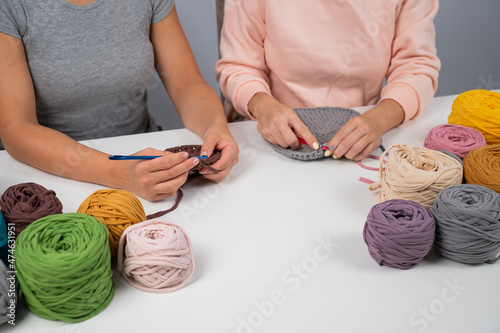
column 64, row 268
column 4, row 239
column 195, row 150
column 24, row 203
column 178, row 199
column 399, row 233
column 456, row 139
column 117, row 209
column 416, row 173
column 156, row 256
column 8, row 294
column 482, row 167
column 467, row 223
column 478, row 109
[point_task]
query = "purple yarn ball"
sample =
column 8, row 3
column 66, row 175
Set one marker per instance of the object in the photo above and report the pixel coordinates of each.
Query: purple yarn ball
column 399, row 233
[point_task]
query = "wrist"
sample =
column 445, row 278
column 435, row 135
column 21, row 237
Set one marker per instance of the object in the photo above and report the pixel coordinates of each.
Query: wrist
column 389, row 113
column 217, row 126
column 255, row 104
column 110, row 174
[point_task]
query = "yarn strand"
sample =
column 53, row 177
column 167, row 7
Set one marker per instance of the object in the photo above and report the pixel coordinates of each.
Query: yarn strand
column 178, row 199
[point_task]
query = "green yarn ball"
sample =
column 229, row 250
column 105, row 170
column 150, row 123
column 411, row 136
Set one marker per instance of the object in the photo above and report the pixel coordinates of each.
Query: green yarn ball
column 63, row 266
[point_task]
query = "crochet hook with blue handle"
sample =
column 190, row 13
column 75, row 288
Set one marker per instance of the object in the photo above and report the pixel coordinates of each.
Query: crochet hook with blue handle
column 138, row 157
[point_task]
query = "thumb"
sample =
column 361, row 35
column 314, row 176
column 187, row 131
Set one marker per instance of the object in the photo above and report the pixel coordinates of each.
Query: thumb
column 208, row 147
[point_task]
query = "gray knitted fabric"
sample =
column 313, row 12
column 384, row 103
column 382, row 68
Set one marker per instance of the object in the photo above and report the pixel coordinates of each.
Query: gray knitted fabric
column 323, row 122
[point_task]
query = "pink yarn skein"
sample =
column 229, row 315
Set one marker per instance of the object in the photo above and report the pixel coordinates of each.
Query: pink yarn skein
column 456, row 139
column 155, row 256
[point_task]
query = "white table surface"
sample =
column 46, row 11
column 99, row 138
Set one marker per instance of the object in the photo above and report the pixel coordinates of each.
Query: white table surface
column 279, row 248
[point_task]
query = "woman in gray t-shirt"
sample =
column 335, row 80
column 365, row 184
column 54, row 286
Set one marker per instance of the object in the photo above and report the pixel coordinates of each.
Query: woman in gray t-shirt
column 78, row 69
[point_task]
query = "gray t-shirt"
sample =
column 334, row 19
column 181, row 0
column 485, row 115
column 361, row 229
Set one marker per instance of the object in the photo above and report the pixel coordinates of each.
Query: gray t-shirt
column 90, row 64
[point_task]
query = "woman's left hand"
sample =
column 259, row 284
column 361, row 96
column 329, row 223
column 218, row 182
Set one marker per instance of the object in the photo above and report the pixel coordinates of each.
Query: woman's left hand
column 363, row 134
column 219, row 138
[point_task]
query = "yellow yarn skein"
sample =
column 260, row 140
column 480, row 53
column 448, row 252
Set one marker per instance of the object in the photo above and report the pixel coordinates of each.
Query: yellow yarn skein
column 478, row 109
column 117, row 209
column 482, row 167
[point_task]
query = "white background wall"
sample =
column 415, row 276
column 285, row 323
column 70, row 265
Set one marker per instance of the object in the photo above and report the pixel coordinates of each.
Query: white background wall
column 468, row 43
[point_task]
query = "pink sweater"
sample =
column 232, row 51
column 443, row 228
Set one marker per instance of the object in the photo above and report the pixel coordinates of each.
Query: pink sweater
column 309, row 53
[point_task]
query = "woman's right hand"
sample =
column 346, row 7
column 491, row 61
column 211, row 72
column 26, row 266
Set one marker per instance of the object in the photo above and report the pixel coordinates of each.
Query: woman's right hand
column 279, row 124
column 158, row 178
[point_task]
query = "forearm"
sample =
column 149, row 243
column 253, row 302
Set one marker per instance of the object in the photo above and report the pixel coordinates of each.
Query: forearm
column 196, row 102
column 56, row 153
column 200, row 108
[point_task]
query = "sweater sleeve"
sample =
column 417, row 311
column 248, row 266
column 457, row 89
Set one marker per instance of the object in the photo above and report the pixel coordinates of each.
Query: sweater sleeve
column 414, row 69
column 242, row 70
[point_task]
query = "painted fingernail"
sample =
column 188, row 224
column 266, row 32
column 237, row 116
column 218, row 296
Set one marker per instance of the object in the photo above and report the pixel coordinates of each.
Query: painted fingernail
column 327, row 153
column 334, row 157
column 315, row 145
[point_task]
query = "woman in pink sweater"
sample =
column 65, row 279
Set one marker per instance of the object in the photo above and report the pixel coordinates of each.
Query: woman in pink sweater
column 279, row 55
